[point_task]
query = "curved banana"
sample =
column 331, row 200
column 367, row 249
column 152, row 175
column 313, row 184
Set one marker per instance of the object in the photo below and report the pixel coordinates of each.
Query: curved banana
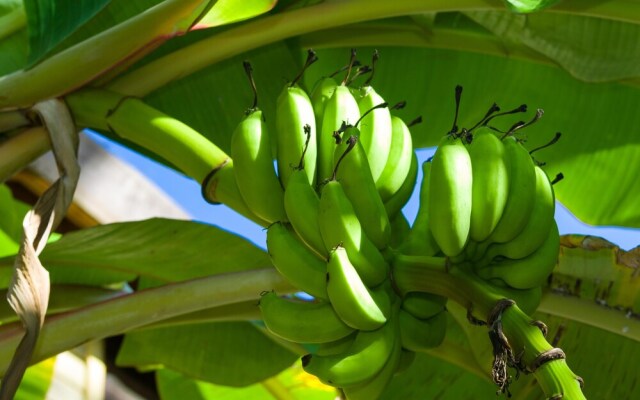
column 400, row 230
column 294, row 121
column 406, row 360
column 296, row 262
column 339, row 225
column 399, row 161
column 253, row 168
column 352, row 171
column 536, row 229
column 422, row 334
column 375, row 131
column 365, row 358
column 356, row 305
column 337, row 346
column 340, row 108
column 301, row 321
column 301, row 203
column 321, row 93
column 490, row 188
column 528, row 272
column 450, row 195
column 420, row 241
column 396, row 202
column 423, row 305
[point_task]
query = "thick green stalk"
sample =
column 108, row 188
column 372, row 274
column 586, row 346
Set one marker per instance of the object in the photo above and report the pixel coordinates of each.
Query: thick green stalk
column 325, row 15
column 174, row 141
column 526, row 340
column 128, row 312
column 21, row 149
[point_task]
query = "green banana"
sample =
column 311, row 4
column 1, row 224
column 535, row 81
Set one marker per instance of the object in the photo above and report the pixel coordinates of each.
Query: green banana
column 490, row 187
column 535, row 231
column 396, row 202
column 406, row 360
column 400, row 230
column 301, row 203
column 398, row 163
column 296, row 262
column 375, row 131
column 339, row 225
column 366, row 357
column 531, row 271
column 340, row 109
column 423, row 305
column 352, row 171
column 294, row 121
column 301, row 321
column 337, row 346
column 356, row 305
column 420, row 241
column 321, row 93
column 253, row 168
column 422, row 334
column 450, row 195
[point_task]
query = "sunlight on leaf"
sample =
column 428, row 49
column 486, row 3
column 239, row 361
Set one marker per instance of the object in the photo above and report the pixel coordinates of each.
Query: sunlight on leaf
column 229, row 11
column 527, row 6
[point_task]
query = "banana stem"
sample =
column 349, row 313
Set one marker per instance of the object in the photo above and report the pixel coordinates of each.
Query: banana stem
column 180, row 145
column 526, row 340
column 21, row 149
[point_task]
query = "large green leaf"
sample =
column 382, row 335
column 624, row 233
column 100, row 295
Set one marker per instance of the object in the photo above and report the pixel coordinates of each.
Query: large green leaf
column 527, row 6
column 36, row 381
column 226, row 353
column 162, row 249
column 50, row 22
column 228, row 11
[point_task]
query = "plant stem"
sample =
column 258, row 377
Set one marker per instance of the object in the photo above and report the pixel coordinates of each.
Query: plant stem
column 21, row 149
column 325, row 15
column 122, row 314
column 525, row 340
column 11, row 120
column 167, row 137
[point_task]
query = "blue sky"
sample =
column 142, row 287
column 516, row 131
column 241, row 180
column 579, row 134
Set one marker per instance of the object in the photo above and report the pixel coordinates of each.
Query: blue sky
column 186, row 193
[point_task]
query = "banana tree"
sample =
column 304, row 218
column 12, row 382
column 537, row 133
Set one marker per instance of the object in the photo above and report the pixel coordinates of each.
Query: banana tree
column 165, row 78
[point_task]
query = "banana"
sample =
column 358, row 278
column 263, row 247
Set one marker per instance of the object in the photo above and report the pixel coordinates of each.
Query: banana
column 340, row 108
column 356, row 305
column 490, row 187
column 296, row 262
column 365, row 358
column 400, row 229
column 423, row 305
column 406, row 360
column 301, row 321
column 321, row 93
column 301, row 203
column 535, row 231
column 352, row 171
column 337, row 346
column 398, row 163
column 450, row 195
column 375, row 131
column 294, row 122
column 339, row 225
column 253, row 168
column 420, row 335
column 420, row 241
column 396, row 202
column 528, row 272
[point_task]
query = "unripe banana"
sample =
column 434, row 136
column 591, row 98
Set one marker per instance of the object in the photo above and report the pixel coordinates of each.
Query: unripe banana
column 253, row 168
column 301, row 321
column 536, row 229
column 337, row 346
column 356, row 305
column 394, row 204
column 302, row 205
column 450, row 196
column 339, row 225
column 400, row 230
column 420, row 241
column 399, row 161
column 423, row 305
column 293, row 113
column 528, row 272
column 364, row 359
column 375, row 131
column 490, row 188
column 340, row 108
column 296, row 262
column 406, row 360
column 422, row 334
column 354, row 175
column 320, row 95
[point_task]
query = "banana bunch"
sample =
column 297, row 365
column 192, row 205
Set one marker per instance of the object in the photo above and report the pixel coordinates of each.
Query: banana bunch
column 490, row 206
column 345, row 166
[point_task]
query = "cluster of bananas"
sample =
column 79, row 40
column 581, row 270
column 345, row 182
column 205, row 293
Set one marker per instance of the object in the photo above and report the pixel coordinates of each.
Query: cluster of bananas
column 345, row 167
column 492, row 206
